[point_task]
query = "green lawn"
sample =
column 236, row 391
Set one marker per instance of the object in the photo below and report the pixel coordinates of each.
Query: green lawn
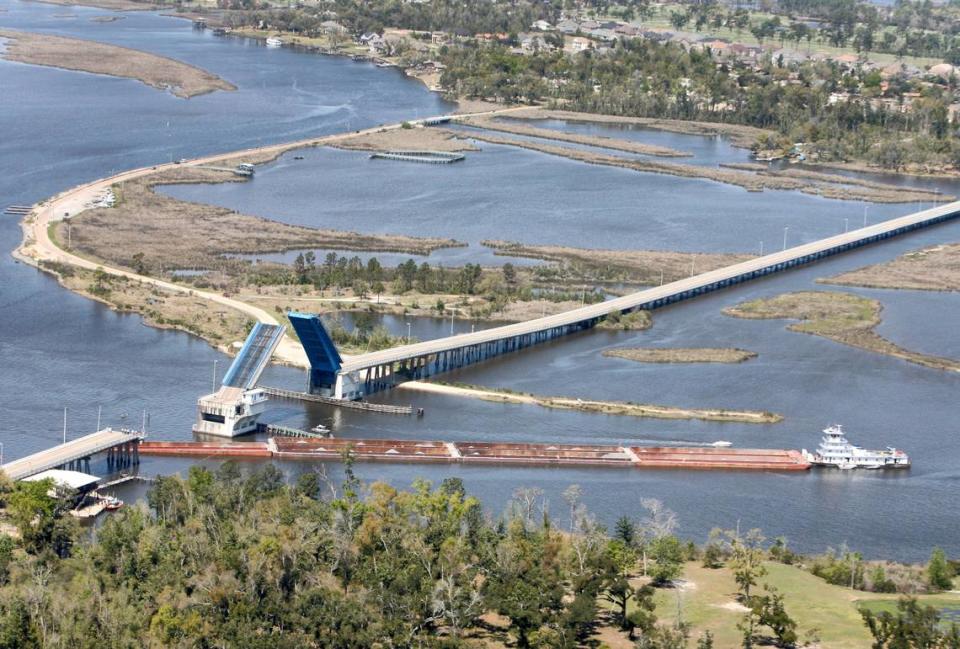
column 709, row 603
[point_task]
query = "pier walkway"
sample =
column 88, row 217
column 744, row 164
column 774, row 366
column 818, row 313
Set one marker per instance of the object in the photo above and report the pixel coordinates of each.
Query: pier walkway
column 121, row 447
column 366, row 374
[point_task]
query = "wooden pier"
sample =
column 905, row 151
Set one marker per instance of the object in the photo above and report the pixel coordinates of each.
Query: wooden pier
column 493, row 453
column 18, row 210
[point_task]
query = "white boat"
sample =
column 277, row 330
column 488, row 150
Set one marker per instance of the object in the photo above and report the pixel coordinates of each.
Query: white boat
column 835, row 451
column 722, row 444
column 273, row 41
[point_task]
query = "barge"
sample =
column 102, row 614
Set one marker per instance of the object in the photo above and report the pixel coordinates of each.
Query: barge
column 493, row 453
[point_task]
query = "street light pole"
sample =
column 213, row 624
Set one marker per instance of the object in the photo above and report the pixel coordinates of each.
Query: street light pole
column 865, row 215
column 213, row 385
column 408, row 333
column 785, row 228
column 64, row 425
column 846, row 225
column 761, row 247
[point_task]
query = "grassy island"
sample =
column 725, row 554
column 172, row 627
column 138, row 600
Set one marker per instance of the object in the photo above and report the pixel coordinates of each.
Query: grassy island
column 682, row 355
column 936, row 268
column 842, row 317
column 623, row 408
column 159, row 72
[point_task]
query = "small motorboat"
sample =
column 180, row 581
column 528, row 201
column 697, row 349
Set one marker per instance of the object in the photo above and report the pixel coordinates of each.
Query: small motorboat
column 722, row 444
column 113, row 504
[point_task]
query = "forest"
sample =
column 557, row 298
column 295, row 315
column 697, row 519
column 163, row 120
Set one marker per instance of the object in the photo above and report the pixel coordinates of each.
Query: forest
column 241, row 558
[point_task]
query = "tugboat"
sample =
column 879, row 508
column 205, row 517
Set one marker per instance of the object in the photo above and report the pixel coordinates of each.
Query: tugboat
column 836, row 451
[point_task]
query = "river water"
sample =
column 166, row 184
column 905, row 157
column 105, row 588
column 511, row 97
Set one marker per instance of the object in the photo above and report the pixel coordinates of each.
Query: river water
column 59, row 350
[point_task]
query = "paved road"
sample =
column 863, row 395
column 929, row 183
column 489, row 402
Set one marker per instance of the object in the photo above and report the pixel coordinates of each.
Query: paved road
column 634, row 300
column 63, row 453
column 37, row 245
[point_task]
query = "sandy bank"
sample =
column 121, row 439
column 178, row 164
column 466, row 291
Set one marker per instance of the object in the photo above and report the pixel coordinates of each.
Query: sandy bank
column 409, row 139
column 936, row 268
column 627, row 146
column 681, row 355
column 600, row 407
column 842, row 317
column 99, row 58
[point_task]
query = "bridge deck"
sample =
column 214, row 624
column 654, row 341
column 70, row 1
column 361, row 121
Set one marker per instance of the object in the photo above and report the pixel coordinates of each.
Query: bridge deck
column 63, row 453
column 661, row 295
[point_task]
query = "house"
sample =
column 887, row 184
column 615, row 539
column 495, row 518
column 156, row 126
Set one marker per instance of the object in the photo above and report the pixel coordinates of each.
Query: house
column 542, row 26
column 568, row 26
column 577, row 44
column 440, row 38
column 531, row 43
column 603, row 34
column 629, row 31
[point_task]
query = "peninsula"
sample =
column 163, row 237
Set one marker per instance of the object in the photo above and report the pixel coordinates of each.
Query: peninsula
column 159, row 72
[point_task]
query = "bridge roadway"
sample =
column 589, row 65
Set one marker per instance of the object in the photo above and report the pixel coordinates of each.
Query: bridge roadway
column 72, row 451
column 382, row 369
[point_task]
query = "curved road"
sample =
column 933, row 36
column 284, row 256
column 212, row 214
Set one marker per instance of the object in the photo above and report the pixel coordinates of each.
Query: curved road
column 37, row 245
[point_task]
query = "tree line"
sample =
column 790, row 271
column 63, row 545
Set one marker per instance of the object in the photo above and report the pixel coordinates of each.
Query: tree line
column 220, row 558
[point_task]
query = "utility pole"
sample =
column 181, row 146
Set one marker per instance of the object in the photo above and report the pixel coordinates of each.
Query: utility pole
column 99, row 412
column 785, row 228
column 846, row 225
column 865, row 215
column 761, row 247
column 64, row 425
column 408, row 333
column 661, row 277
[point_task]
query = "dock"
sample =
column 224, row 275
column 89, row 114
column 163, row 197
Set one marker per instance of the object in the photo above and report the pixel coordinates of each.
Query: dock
column 18, row 210
column 425, row 157
column 293, row 395
column 493, row 453
column 121, row 447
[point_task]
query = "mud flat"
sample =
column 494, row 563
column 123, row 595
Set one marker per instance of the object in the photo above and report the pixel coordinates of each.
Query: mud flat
column 99, row 58
column 842, row 317
column 643, row 266
column 682, row 355
column 936, row 268
column 624, row 408
column 738, row 135
column 628, row 146
column 408, row 139
column 168, row 233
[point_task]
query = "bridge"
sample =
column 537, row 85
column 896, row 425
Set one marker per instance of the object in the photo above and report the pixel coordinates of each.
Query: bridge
column 365, row 374
column 121, row 447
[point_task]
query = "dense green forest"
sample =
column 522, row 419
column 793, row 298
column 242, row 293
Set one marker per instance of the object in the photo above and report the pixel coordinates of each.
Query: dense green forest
column 223, row 560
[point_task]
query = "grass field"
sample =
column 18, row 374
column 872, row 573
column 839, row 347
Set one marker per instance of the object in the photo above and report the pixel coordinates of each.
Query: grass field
column 830, row 613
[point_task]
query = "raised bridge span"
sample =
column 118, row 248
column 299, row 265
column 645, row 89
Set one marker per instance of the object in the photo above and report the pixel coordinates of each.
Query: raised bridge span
column 365, row 374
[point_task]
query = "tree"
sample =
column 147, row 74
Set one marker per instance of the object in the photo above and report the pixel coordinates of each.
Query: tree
column 746, row 559
column 939, row 571
column 667, row 553
column 769, row 611
column 912, row 627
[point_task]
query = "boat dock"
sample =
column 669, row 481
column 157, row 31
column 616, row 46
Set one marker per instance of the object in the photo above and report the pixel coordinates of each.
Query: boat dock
column 18, row 210
column 426, row 157
column 492, row 453
column 280, row 393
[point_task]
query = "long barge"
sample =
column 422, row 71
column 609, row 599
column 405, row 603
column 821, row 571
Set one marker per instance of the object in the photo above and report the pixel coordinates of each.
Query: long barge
column 492, row 453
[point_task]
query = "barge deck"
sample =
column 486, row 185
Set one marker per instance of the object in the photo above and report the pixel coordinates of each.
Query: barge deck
column 492, row 453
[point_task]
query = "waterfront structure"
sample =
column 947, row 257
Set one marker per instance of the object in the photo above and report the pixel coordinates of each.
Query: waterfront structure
column 234, row 408
column 121, row 447
column 366, row 374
